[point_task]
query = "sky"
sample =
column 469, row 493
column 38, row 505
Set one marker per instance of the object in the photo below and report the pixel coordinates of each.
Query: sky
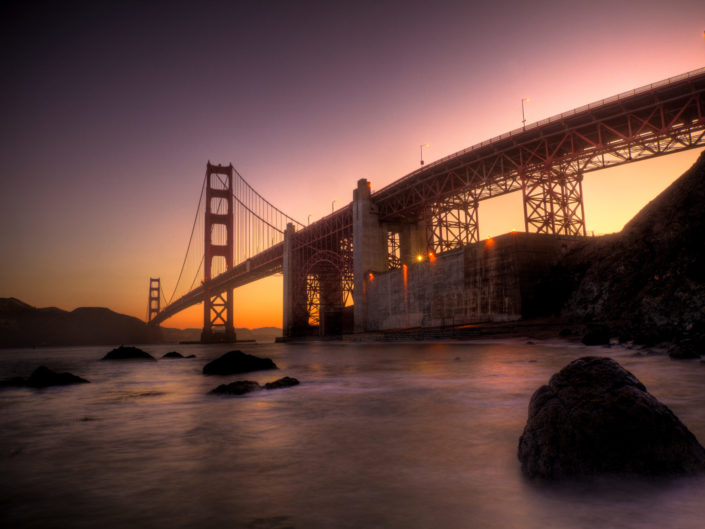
column 111, row 110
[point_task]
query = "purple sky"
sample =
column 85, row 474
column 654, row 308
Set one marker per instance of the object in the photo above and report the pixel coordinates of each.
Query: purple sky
column 112, row 109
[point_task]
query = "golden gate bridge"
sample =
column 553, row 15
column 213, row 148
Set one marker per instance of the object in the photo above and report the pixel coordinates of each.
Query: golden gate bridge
column 239, row 237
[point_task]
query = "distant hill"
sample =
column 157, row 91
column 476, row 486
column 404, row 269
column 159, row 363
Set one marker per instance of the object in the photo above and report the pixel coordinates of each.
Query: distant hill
column 22, row 325
column 648, row 281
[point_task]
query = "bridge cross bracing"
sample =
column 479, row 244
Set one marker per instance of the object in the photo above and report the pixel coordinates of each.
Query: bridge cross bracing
column 434, row 209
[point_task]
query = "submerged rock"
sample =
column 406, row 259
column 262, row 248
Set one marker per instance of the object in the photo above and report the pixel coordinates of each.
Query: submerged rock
column 247, row 386
column 235, row 362
column 595, row 417
column 237, row 388
column 285, row 382
column 687, row 348
column 173, row 354
column 128, row 353
column 43, row 377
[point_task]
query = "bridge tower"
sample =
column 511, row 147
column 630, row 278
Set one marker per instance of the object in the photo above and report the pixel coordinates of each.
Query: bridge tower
column 154, row 298
column 218, row 305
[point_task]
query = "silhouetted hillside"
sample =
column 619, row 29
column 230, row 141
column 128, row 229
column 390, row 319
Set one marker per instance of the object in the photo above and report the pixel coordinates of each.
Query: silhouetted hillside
column 22, row 325
column 648, row 281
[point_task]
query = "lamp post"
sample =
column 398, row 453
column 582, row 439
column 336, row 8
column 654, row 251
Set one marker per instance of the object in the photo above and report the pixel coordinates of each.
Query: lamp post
column 421, row 150
column 309, row 219
column 332, row 206
column 523, row 119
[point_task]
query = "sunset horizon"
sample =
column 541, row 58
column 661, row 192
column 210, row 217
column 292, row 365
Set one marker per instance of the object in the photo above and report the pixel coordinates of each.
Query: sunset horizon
column 112, row 145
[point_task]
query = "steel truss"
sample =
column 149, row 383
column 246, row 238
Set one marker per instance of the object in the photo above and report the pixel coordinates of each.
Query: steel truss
column 323, row 257
column 452, row 222
column 393, row 250
column 547, row 161
column 313, row 299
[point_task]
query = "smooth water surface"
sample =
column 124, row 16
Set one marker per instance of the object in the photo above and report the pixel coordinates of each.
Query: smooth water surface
column 376, row 435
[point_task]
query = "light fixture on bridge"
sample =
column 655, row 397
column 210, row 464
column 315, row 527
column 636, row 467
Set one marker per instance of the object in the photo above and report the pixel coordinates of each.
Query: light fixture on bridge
column 523, row 119
column 332, row 206
column 309, row 218
column 419, row 257
column 421, row 149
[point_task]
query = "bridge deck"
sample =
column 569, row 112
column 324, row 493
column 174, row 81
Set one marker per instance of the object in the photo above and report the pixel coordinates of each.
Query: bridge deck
column 660, row 118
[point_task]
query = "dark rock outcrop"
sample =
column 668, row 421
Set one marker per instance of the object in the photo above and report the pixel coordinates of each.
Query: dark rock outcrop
column 237, row 388
column 43, row 377
column 594, row 417
column 648, row 281
column 128, row 353
column 235, row 362
column 285, row 382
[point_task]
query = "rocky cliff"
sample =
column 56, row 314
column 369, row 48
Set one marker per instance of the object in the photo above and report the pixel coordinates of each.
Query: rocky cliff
column 648, row 281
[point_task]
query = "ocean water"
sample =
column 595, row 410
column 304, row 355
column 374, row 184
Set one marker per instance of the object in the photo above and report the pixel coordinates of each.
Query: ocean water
column 376, row 436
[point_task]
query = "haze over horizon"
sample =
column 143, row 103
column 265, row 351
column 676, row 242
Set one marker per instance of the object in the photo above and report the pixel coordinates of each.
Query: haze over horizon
column 112, row 110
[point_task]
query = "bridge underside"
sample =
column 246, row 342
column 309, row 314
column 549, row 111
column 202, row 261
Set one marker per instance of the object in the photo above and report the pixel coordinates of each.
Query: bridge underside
column 360, row 268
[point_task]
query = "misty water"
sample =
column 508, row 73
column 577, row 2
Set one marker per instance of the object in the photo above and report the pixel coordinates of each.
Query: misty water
column 376, row 435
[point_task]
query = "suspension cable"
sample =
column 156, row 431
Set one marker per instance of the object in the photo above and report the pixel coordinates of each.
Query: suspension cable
column 188, row 248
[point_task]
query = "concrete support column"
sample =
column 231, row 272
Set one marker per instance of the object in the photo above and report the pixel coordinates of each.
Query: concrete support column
column 289, row 280
column 412, row 239
column 369, row 249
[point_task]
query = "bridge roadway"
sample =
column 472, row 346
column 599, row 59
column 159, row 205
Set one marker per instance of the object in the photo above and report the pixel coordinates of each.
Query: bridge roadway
column 657, row 119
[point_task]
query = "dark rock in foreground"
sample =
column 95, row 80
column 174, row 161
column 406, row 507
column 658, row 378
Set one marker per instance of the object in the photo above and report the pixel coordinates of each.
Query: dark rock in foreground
column 128, row 353
column 247, row 386
column 235, row 362
column 43, row 377
column 285, row 382
column 594, row 417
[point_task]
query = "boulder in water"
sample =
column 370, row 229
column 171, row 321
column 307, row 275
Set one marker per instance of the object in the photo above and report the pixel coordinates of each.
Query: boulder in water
column 595, row 417
column 128, row 353
column 237, row 388
column 173, row 354
column 43, row 377
column 285, row 382
column 247, row 386
column 235, row 362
